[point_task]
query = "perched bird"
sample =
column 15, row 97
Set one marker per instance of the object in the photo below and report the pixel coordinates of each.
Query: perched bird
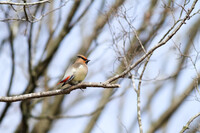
column 77, row 72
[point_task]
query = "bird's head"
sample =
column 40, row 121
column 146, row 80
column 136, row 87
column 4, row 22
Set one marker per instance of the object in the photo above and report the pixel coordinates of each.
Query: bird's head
column 83, row 58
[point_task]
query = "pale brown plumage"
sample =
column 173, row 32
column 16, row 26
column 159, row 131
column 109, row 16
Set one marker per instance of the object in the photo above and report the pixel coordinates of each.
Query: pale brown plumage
column 77, row 72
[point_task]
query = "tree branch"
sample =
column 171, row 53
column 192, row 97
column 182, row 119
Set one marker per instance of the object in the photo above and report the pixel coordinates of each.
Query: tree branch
column 139, row 97
column 161, row 43
column 171, row 109
column 23, row 4
column 56, row 92
column 188, row 123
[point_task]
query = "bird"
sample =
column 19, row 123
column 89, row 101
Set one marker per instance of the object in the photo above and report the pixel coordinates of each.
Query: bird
column 77, row 72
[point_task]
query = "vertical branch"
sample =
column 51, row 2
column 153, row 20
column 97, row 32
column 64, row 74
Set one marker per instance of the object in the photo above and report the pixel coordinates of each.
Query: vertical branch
column 13, row 60
column 30, row 56
column 25, row 105
column 12, row 72
column 26, row 15
column 51, row 47
column 138, row 96
column 100, row 22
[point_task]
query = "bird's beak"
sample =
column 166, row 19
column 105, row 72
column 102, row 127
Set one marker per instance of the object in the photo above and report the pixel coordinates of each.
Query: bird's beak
column 87, row 61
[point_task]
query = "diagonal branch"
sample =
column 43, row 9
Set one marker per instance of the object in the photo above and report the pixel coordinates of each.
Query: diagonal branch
column 189, row 122
column 56, row 92
column 163, row 42
column 171, row 109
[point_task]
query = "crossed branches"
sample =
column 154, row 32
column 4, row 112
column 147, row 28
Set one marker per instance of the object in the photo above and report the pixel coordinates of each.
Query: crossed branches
column 106, row 84
column 23, row 4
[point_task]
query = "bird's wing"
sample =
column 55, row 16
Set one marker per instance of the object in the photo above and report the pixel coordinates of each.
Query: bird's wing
column 66, row 80
column 69, row 75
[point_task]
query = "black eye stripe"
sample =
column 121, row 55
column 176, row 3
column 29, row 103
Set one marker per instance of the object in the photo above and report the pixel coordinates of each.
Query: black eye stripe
column 82, row 58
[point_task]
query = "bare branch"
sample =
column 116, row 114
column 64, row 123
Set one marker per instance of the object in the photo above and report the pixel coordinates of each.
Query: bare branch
column 138, row 96
column 23, row 4
column 11, row 40
column 161, row 43
column 67, row 116
column 56, row 92
column 189, row 122
column 173, row 107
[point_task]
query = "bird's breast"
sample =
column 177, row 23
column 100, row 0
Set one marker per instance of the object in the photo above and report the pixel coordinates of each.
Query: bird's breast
column 80, row 73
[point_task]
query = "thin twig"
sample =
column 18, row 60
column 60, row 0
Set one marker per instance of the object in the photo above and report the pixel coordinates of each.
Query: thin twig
column 36, row 19
column 189, row 122
column 67, row 116
column 161, row 43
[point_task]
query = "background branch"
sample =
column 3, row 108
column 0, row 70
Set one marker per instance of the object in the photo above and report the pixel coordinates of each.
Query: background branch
column 118, row 37
column 23, row 4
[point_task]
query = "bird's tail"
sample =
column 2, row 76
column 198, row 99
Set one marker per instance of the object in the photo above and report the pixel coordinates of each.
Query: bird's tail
column 58, row 83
